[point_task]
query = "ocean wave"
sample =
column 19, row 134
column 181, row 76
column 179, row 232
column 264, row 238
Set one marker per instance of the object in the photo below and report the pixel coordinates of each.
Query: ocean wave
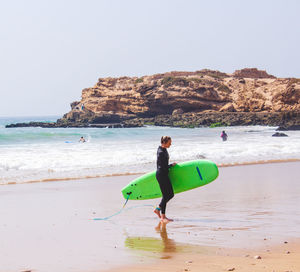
column 93, row 176
column 36, row 154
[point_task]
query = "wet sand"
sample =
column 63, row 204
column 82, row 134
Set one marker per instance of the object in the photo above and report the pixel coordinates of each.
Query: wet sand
column 249, row 210
column 280, row 258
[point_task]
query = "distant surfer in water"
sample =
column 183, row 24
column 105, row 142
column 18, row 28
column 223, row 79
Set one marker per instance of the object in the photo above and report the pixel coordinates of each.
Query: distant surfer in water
column 82, row 140
column 224, row 136
column 163, row 178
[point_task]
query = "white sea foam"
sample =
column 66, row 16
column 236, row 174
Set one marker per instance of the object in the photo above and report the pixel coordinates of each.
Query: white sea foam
column 33, row 154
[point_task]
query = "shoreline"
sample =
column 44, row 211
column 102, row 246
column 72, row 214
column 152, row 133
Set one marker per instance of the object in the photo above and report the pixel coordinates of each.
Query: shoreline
column 142, row 173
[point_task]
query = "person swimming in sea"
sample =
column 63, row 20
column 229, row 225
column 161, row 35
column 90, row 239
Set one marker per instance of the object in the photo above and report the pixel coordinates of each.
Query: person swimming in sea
column 224, row 136
column 163, row 178
column 82, row 140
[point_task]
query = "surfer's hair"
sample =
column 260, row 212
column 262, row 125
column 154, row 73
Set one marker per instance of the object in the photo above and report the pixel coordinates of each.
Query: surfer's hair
column 165, row 139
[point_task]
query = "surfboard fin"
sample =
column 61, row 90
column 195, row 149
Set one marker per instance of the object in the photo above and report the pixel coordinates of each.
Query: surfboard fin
column 127, row 199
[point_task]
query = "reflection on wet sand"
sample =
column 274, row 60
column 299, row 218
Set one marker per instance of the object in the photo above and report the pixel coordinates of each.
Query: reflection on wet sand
column 164, row 247
column 169, row 244
column 155, row 245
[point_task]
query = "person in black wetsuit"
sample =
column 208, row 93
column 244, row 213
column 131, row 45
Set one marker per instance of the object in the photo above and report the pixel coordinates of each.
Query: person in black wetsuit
column 163, row 178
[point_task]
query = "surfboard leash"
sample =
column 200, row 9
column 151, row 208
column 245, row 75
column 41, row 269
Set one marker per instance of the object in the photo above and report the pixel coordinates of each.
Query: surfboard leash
column 130, row 208
column 105, row 218
column 137, row 206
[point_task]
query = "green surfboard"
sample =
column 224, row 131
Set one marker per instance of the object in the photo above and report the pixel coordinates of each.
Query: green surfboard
column 184, row 176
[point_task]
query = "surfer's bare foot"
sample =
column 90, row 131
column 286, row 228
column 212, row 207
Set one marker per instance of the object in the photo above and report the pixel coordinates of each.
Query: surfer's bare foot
column 157, row 211
column 165, row 219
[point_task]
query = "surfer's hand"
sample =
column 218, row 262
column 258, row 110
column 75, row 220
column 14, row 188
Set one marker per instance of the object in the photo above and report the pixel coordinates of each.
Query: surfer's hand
column 174, row 163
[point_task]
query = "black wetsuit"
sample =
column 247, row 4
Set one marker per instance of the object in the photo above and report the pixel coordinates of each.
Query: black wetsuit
column 163, row 178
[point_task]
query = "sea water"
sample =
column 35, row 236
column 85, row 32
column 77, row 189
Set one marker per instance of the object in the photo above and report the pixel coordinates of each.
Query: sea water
column 41, row 154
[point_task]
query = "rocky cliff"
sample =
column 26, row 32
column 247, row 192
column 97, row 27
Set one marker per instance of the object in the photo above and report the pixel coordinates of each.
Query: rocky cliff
column 179, row 94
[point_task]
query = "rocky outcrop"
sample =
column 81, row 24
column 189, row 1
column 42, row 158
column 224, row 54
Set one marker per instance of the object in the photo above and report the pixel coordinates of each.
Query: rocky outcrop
column 185, row 97
column 124, row 98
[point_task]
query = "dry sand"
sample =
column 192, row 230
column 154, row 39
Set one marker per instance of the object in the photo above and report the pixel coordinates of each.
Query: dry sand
column 249, row 210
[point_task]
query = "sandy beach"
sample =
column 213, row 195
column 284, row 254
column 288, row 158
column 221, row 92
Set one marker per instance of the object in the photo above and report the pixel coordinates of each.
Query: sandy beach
column 249, row 211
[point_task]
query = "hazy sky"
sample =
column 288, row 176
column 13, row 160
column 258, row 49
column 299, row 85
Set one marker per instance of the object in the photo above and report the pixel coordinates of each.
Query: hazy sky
column 51, row 50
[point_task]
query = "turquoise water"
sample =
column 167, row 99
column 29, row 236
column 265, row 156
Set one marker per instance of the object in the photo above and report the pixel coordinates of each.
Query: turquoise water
column 36, row 154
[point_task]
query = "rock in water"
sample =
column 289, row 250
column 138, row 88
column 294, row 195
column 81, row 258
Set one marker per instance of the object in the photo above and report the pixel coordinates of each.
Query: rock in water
column 279, row 134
